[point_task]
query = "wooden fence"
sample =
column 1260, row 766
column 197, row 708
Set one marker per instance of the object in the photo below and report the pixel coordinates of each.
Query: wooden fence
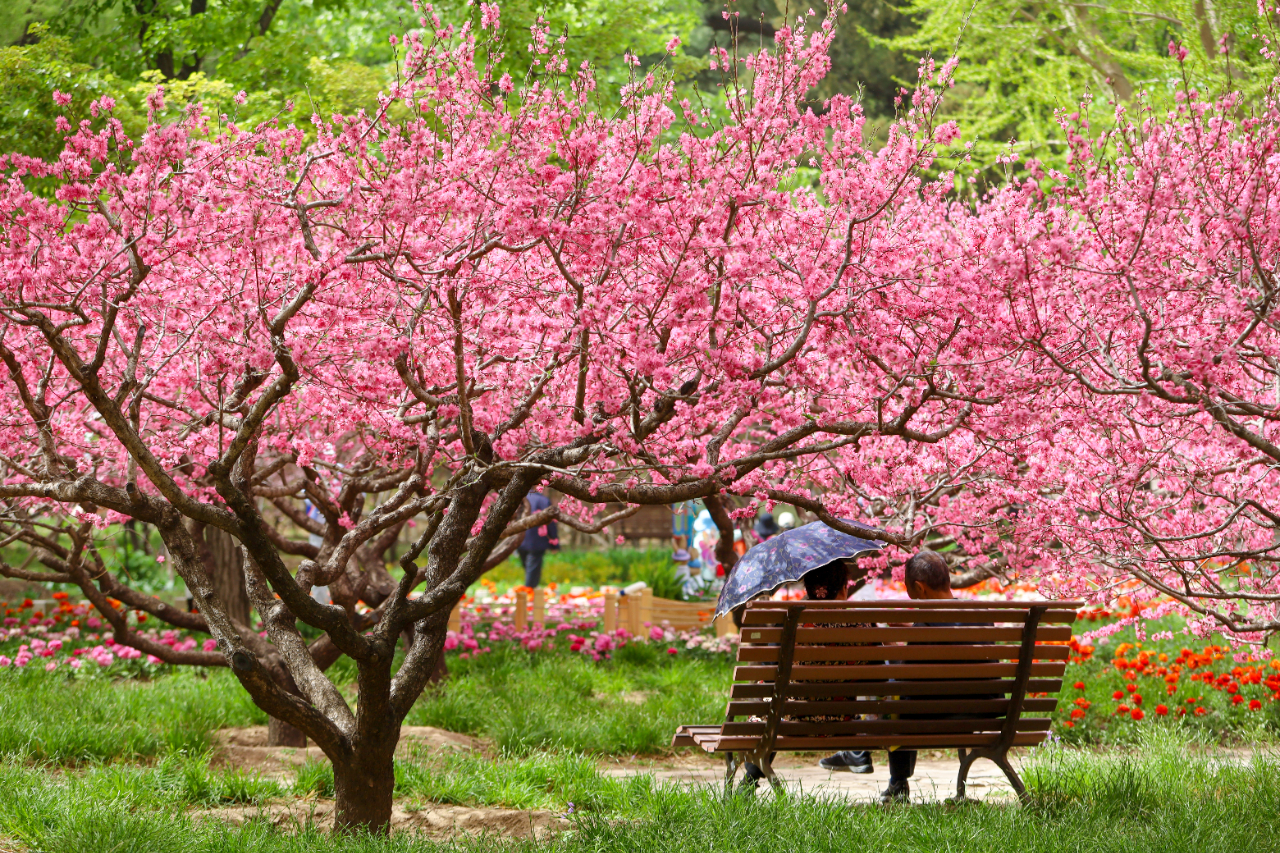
column 629, row 612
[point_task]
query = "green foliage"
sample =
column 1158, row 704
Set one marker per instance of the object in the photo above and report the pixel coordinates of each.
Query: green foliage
column 29, row 74
column 599, row 32
column 180, row 37
column 324, row 56
column 617, row 566
column 863, row 63
column 1020, row 64
column 343, row 86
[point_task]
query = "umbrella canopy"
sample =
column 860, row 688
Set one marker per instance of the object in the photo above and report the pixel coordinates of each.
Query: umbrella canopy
column 786, row 558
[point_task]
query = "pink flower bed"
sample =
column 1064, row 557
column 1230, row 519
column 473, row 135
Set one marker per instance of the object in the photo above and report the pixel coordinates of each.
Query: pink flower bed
column 72, row 636
column 574, row 627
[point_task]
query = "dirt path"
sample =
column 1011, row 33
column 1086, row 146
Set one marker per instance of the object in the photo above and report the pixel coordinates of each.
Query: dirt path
column 246, row 749
column 935, row 777
column 438, row 822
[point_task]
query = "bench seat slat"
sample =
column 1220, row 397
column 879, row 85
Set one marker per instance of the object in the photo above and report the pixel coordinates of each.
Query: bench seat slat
column 719, row 743
column 899, row 672
column 901, row 653
column 824, row 744
column 888, row 728
column 802, row 707
column 817, row 617
column 884, row 728
column 975, row 687
column 951, row 633
column 684, row 735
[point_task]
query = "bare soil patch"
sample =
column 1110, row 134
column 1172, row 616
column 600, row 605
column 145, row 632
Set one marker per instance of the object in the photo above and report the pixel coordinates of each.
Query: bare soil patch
column 246, row 749
column 435, row 821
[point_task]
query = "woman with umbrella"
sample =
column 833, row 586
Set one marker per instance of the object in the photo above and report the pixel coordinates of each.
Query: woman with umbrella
column 823, row 559
column 786, row 558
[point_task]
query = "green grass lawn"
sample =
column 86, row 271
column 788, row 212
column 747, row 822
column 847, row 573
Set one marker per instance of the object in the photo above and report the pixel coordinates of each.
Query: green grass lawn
column 53, row 718
column 1157, row 799
column 524, row 701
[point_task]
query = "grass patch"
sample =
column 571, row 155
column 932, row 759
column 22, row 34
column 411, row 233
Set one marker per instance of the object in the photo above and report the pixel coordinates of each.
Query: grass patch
column 618, row 566
column 43, row 717
column 527, row 701
column 1157, row 799
column 556, row 781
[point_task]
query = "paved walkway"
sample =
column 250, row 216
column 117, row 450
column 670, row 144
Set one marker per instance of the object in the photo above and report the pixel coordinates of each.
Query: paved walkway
column 935, row 777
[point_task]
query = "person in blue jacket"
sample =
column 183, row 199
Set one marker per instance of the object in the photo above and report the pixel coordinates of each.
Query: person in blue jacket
column 537, row 541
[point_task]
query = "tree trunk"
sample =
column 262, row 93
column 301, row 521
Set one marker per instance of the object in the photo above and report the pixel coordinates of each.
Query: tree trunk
column 280, row 733
column 364, row 787
column 226, row 569
column 224, row 561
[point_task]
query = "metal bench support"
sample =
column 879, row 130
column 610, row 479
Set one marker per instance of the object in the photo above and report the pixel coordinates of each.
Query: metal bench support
column 730, row 770
column 999, row 752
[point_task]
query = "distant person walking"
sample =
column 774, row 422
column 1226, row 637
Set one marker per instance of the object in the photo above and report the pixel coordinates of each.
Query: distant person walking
column 537, row 542
column 765, row 527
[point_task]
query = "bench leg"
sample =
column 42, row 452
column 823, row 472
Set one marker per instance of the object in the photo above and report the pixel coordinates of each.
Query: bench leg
column 1002, row 761
column 730, row 770
column 766, row 767
column 966, row 761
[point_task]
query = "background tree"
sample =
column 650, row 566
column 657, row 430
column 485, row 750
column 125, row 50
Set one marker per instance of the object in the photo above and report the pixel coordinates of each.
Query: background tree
column 1023, row 62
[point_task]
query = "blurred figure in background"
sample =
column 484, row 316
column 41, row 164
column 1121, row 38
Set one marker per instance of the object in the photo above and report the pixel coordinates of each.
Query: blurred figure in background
column 705, row 537
column 786, row 521
column 765, row 527
column 537, row 542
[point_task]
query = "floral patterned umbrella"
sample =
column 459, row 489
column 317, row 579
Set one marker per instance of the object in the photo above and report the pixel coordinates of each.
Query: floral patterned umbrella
column 788, row 557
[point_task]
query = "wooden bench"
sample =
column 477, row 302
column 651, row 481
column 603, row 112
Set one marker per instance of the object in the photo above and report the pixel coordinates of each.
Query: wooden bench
column 961, row 677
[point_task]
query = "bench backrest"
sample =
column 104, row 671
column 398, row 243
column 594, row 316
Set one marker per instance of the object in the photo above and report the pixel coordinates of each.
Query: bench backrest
column 807, row 676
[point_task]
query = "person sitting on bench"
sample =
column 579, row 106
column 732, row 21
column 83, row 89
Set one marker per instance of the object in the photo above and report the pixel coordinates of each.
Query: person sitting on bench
column 825, row 583
column 926, row 577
